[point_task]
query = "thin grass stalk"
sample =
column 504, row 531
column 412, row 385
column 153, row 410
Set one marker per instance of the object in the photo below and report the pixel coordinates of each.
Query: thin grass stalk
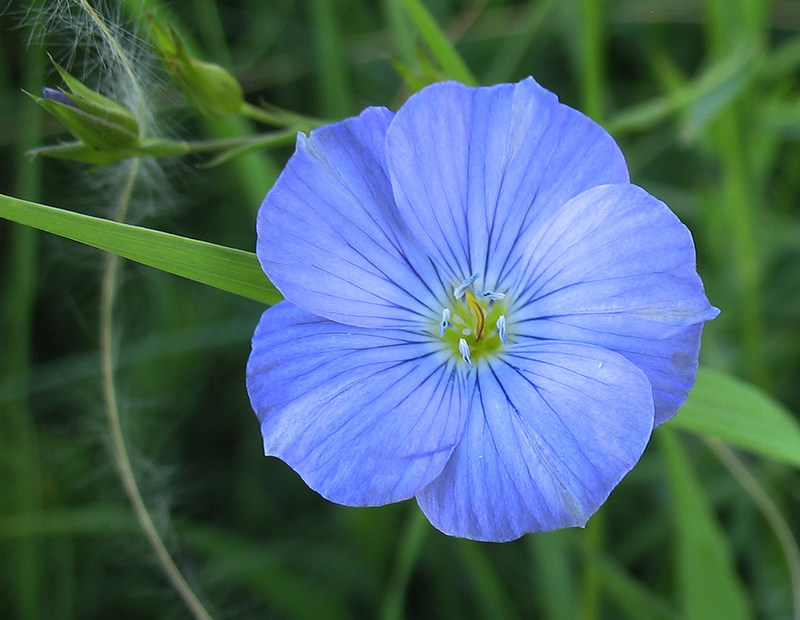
column 739, row 220
column 552, row 576
column 108, row 290
column 513, row 49
column 409, row 550
column 591, row 580
column 767, row 508
column 19, row 434
column 592, row 58
column 592, row 81
column 728, row 23
column 492, row 594
column 332, row 76
column 405, row 45
column 212, row 31
column 252, row 173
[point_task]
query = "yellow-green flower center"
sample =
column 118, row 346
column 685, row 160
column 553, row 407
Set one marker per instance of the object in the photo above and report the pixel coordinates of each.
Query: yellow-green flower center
column 473, row 327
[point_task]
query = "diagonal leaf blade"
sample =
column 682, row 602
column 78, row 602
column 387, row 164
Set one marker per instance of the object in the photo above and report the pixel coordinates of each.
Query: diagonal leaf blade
column 707, row 580
column 227, row 269
column 723, row 407
column 439, row 45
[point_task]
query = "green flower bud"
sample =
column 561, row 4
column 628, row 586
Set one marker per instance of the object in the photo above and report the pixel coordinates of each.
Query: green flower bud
column 96, row 120
column 210, row 89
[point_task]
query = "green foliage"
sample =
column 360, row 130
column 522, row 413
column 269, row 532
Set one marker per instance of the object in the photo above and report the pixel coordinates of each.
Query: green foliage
column 723, row 407
column 452, row 66
column 211, row 90
column 702, row 97
column 101, row 123
column 707, row 581
column 227, row 269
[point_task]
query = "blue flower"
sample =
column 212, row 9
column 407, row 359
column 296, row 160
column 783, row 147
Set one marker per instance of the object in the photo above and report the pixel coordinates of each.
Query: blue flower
column 481, row 311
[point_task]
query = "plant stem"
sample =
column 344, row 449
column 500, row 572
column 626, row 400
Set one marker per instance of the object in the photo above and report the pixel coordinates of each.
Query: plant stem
column 121, row 456
column 770, row 511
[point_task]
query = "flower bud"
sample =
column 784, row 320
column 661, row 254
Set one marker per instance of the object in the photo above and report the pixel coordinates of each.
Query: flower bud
column 210, row 89
column 96, row 120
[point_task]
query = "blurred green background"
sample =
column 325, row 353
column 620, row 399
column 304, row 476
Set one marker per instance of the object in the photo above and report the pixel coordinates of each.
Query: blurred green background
column 703, row 98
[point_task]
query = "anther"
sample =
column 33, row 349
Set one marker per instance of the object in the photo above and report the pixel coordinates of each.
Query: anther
column 445, row 321
column 463, row 348
column 491, row 295
column 459, row 291
column 501, row 329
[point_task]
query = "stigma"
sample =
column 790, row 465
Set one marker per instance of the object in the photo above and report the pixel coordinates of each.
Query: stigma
column 477, row 313
column 464, row 326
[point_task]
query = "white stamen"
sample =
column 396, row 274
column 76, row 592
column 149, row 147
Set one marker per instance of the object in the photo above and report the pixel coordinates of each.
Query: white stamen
column 445, row 321
column 463, row 348
column 459, row 291
column 501, row 329
column 491, row 295
column 466, row 331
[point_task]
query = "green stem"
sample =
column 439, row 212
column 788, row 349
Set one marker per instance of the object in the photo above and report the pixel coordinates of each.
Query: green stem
column 590, row 606
column 770, row 511
column 552, row 576
column 212, row 31
column 592, row 58
column 157, row 147
column 741, row 228
column 18, row 433
column 122, row 459
column 490, row 590
column 281, row 118
column 332, row 76
column 410, row 547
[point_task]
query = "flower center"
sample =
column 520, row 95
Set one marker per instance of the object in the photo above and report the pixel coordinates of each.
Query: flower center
column 474, row 325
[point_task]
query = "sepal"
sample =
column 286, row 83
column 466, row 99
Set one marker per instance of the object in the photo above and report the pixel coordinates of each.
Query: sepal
column 211, row 90
column 96, row 120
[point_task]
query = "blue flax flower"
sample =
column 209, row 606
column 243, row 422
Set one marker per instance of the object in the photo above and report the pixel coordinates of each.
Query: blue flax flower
column 481, row 311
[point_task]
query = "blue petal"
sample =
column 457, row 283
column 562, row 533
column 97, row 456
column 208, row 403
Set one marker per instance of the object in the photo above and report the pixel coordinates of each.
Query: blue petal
column 552, row 428
column 475, row 169
column 329, row 234
column 616, row 268
column 671, row 366
column 366, row 417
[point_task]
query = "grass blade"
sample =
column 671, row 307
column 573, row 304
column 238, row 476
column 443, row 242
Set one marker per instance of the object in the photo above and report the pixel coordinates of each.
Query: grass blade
column 707, row 580
column 227, row 269
column 730, row 410
column 438, row 43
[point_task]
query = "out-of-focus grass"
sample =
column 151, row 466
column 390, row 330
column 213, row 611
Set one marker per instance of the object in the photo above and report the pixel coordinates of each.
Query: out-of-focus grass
column 702, row 97
column 21, row 467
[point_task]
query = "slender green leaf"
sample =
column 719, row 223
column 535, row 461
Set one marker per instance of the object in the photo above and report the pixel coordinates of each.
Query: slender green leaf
column 332, row 75
column 228, row 269
column 512, row 50
column 490, row 591
column 94, row 520
column 708, row 584
column 269, row 572
column 701, row 99
column 741, row 415
column 554, row 578
column 403, row 36
column 410, row 546
column 634, row 600
column 23, row 460
column 592, row 56
column 440, row 46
